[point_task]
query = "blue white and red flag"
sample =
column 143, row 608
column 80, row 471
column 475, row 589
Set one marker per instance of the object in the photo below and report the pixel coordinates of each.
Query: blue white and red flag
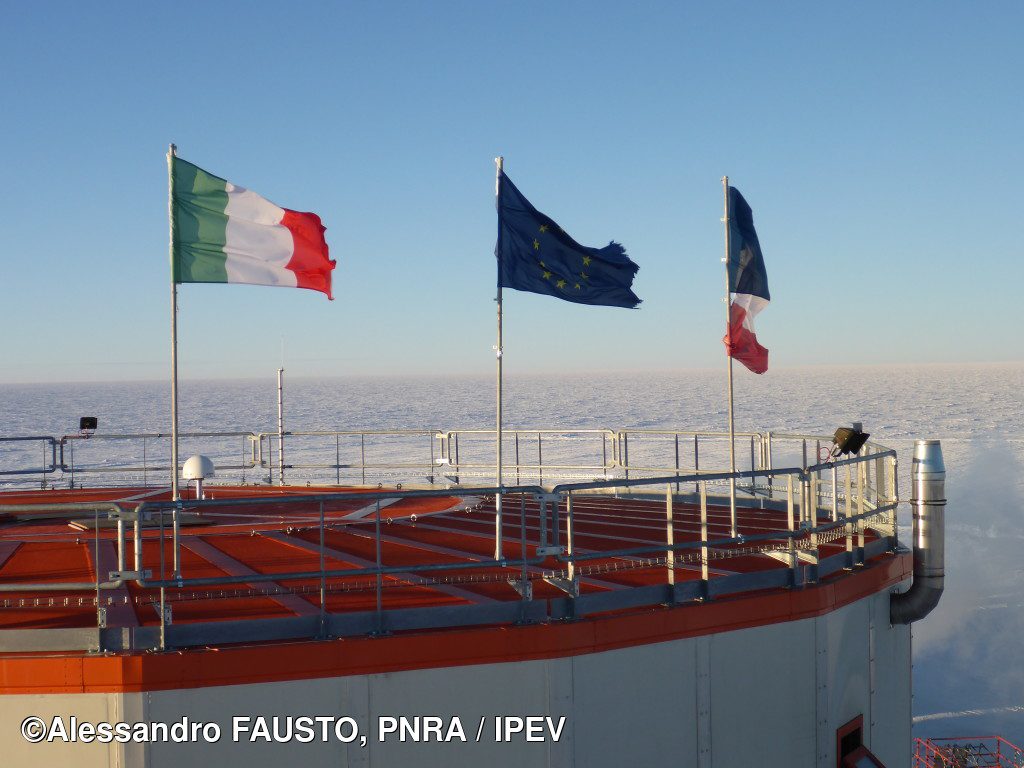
column 748, row 284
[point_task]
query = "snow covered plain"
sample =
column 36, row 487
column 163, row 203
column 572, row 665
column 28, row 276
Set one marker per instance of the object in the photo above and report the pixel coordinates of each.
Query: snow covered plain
column 968, row 655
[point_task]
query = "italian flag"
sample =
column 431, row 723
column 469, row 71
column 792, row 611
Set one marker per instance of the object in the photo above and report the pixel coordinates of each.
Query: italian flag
column 223, row 233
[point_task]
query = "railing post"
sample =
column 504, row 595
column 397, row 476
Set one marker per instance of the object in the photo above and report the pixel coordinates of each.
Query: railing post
column 542, row 522
column 163, row 576
column 101, row 613
column 540, row 462
column 163, row 616
column 894, row 497
column 752, row 481
column 705, row 586
column 791, row 525
column 812, row 498
column 806, row 500
column 801, row 500
column 849, row 492
column 525, row 591
column 670, row 553
column 811, row 484
column 818, row 500
column 280, row 425
column 571, row 564
column 848, row 528
column 696, row 461
column 555, row 525
column 879, row 481
column 380, row 576
column 323, row 578
column 433, row 464
column 835, row 494
column 790, row 512
column 676, row 436
column 861, row 509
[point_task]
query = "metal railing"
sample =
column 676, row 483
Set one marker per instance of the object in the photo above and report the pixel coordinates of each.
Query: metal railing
column 967, row 752
column 826, row 502
column 48, row 460
column 423, row 456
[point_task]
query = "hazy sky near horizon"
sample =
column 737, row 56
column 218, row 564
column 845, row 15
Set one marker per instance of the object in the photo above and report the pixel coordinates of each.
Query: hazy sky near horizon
column 878, row 145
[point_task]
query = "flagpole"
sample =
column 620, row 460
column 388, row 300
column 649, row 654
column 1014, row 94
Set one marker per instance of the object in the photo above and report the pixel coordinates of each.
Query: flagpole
column 728, row 332
column 499, row 163
column 171, row 151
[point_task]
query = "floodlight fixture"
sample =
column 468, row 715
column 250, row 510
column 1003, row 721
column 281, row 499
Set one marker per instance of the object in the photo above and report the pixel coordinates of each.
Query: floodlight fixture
column 849, row 440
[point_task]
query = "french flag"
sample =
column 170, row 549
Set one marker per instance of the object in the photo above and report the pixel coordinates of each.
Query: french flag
column 748, row 284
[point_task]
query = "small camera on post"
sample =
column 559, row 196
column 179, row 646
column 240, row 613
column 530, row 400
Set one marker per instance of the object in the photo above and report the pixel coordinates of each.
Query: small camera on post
column 87, row 426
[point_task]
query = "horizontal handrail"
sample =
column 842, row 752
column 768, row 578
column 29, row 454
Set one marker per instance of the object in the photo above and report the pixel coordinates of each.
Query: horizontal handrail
column 145, row 509
column 47, row 467
column 541, row 453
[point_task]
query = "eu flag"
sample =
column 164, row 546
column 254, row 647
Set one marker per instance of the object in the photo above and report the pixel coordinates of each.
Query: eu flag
column 535, row 254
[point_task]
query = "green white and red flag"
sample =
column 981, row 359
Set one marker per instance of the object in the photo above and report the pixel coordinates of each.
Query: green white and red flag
column 223, row 233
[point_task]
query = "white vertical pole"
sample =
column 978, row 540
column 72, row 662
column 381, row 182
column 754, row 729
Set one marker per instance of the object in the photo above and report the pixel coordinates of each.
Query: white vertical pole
column 670, row 536
column 570, row 535
column 171, row 151
column 280, row 425
column 704, row 533
column 499, row 162
column 728, row 326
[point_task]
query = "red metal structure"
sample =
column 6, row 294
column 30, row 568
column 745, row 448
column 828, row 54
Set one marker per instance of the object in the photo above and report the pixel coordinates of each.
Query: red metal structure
column 967, row 752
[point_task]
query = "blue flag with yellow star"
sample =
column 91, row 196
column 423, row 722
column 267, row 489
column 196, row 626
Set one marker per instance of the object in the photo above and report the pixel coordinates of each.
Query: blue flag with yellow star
column 535, row 254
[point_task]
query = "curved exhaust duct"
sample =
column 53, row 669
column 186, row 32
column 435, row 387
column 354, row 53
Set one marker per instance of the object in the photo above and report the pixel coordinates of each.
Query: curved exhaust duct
column 928, row 476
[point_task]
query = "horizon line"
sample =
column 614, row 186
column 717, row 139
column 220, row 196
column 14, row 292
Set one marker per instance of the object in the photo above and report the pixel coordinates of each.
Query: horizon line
column 464, row 374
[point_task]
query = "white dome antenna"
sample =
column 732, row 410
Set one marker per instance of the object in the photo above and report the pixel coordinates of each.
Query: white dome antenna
column 198, row 468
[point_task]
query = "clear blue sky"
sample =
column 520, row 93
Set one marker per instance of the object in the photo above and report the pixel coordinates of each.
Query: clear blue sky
column 879, row 145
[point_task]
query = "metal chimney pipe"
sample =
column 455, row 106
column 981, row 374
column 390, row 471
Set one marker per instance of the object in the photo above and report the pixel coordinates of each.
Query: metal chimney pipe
column 928, row 476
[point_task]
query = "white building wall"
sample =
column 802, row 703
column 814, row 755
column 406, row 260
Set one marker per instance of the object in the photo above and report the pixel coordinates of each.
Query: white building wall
column 847, row 640
column 633, row 706
column 636, row 706
column 891, row 701
column 762, row 696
